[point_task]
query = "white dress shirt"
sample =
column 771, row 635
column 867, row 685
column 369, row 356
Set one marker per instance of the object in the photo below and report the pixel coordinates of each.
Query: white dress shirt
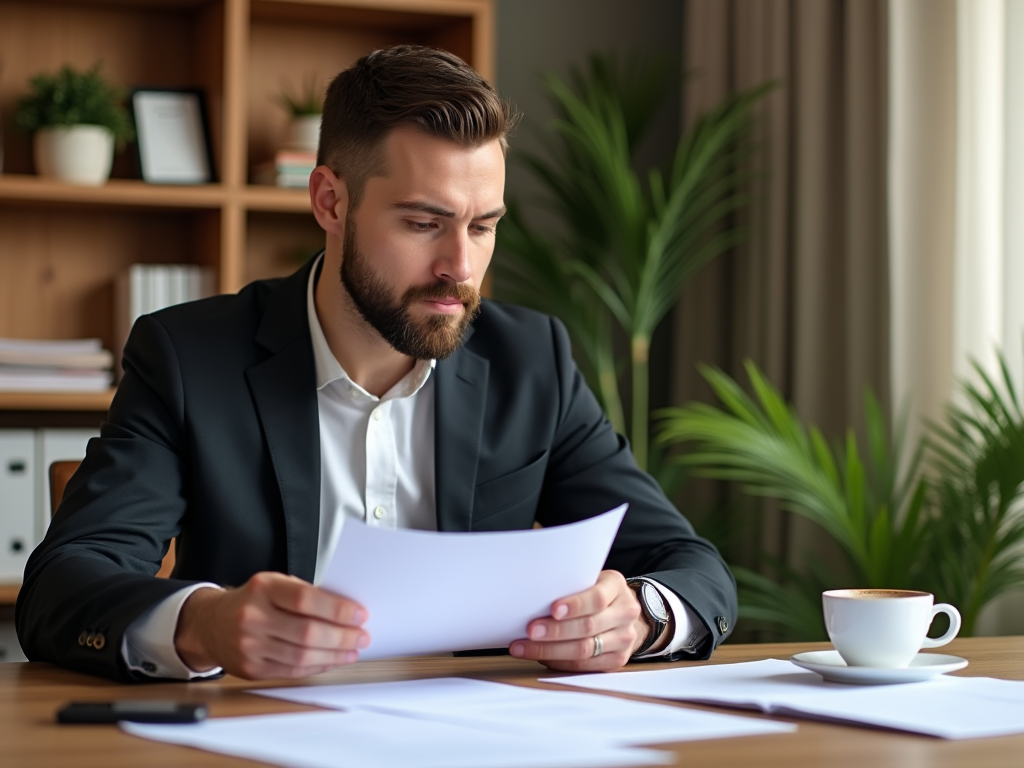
column 377, row 466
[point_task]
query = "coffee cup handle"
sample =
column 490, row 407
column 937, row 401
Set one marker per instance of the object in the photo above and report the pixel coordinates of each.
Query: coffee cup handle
column 954, row 625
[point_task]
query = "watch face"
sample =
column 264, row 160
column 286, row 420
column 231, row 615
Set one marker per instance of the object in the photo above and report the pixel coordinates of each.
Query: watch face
column 655, row 602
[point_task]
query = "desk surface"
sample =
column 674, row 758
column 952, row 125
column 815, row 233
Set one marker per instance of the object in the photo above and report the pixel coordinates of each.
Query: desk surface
column 30, row 693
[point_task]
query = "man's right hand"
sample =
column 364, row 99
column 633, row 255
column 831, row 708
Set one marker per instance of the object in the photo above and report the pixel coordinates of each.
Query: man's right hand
column 272, row 626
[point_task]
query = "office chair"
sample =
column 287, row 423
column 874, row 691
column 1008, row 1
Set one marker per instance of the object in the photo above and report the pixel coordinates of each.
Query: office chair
column 60, row 473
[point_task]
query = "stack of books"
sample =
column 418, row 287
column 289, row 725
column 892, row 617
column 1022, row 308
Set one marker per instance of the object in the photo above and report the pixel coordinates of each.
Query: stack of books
column 289, row 168
column 77, row 365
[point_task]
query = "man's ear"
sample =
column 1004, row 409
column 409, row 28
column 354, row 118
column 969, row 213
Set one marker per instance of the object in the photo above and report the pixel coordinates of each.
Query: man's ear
column 329, row 197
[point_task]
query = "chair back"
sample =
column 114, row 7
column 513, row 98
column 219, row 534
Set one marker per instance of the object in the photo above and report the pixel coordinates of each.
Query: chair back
column 60, row 473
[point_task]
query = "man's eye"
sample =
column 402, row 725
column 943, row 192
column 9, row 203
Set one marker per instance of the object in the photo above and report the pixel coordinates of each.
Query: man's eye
column 483, row 229
column 421, row 226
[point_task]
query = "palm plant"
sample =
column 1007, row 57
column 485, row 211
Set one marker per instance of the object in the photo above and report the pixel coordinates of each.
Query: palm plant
column 627, row 247
column 953, row 525
column 873, row 513
column 979, row 519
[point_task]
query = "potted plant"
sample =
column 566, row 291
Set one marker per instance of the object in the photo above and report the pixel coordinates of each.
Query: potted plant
column 629, row 241
column 76, row 119
column 305, row 108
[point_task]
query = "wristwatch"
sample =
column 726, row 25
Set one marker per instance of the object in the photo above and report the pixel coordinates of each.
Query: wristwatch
column 655, row 612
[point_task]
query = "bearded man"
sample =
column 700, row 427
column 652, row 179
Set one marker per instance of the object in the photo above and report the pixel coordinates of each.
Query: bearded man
column 373, row 384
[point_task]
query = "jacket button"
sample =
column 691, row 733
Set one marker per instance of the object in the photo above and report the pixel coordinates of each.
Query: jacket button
column 723, row 624
column 99, row 641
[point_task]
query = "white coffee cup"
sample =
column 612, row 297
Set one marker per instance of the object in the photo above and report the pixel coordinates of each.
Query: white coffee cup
column 883, row 627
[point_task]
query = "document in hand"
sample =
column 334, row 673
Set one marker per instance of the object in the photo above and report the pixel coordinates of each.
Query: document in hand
column 438, row 592
column 948, row 707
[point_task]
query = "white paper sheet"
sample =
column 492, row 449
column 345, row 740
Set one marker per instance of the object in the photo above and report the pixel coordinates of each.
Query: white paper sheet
column 365, row 739
column 516, row 710
column 438, row 592
column 948, row 707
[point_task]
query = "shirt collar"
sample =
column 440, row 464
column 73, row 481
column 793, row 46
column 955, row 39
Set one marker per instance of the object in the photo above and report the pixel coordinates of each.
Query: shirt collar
column 328, row 369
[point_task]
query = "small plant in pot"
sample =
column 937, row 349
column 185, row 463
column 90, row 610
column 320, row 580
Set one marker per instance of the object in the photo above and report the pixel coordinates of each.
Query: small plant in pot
column 304, row 107
column 76, row 119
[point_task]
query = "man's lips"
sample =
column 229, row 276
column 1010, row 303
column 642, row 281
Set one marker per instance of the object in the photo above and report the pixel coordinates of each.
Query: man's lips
column 448, row 305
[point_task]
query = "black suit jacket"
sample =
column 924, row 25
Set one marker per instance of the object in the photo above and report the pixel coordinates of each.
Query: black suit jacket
column 213, row 438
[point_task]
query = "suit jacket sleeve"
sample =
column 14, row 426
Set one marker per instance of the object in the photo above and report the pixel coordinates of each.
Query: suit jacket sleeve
column 93, row 573
column 591, row 469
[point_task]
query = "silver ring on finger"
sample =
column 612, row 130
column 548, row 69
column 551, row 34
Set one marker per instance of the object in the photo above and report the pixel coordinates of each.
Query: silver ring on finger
column 598, row 646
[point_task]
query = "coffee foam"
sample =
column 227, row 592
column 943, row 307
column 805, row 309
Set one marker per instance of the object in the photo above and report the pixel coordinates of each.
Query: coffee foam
column 874, row 594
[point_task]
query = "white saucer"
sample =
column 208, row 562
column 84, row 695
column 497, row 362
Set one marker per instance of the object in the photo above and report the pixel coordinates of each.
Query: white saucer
column 924, row 666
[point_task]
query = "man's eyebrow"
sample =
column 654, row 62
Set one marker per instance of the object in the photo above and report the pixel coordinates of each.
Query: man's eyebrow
column 411, row 205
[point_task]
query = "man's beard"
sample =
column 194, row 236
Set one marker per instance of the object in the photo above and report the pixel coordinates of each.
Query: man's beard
column 434, row 337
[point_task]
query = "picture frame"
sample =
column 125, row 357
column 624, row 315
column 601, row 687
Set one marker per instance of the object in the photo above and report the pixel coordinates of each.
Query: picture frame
column 173, row 136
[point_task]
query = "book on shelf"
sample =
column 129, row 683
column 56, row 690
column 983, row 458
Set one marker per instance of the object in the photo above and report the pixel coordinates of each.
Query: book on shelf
column 146, row 288
column 60, row 365
column 289, row 168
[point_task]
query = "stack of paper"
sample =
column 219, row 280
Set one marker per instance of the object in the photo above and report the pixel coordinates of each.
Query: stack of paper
column 78, row 365
column 454, row 722
column 948, row 707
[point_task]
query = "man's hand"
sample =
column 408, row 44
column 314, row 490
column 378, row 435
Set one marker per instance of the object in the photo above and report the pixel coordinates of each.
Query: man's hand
column 272, row 626
column 566, row 640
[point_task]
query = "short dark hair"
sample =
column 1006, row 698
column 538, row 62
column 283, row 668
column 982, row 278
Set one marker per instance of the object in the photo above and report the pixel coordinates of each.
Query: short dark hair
column 407, row 85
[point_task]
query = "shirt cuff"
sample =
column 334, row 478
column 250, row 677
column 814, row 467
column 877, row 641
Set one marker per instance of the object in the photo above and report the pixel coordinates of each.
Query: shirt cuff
column 689, row 629
column 148, row 644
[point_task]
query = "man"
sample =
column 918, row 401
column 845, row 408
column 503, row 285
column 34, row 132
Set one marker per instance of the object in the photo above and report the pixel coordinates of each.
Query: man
column 372, row 384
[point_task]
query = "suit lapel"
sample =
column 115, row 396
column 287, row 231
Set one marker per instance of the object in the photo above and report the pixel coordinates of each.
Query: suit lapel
column 284, row 391
column 459, row 399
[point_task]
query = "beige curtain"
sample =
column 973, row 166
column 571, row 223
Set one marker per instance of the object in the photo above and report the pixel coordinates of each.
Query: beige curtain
column 807, row 296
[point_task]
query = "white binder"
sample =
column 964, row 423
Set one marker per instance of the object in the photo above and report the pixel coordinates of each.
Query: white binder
column 17, row 501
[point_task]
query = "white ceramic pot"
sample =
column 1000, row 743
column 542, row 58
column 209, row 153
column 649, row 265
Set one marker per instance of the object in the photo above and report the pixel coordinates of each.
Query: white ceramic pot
column 77, row 154
column 303, row 133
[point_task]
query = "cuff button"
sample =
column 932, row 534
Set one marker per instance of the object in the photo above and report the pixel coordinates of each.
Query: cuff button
column 148, row 666
column 723, row 624
column 82, row 638
column 99, row 641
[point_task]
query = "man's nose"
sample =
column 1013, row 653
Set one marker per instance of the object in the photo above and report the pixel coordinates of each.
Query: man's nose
column 453, row 260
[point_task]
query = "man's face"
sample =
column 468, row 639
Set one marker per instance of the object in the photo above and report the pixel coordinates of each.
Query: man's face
column 417, row 247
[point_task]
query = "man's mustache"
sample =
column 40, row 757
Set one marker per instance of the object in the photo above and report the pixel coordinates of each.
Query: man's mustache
column 466, row 294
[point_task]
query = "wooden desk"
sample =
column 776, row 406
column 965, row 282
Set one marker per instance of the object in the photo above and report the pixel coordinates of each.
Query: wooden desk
column 30, row 693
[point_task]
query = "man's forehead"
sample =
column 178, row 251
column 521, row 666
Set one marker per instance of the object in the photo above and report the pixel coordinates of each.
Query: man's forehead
column 426, row 169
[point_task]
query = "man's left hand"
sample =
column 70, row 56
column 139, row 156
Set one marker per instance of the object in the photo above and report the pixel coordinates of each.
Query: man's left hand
column 567, row 640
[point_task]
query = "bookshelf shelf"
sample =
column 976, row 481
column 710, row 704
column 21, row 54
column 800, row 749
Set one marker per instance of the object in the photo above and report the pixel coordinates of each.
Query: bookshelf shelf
column 275, row 199
column 56, row 401
column 34, row 191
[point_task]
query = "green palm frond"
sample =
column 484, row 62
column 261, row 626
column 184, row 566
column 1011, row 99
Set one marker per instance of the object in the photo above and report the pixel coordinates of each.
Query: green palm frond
column 977, row 457
column 874, row 514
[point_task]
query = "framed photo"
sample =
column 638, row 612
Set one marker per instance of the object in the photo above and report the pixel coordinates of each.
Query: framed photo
column 173, row 136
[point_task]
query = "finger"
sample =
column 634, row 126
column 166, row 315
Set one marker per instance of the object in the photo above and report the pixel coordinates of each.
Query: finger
column 551, row 630
column 315, row 634
column 616, row 641
column 280, row 652
column 296, row 596
column 270, row 670
column 606, row 662
column 591, row 600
